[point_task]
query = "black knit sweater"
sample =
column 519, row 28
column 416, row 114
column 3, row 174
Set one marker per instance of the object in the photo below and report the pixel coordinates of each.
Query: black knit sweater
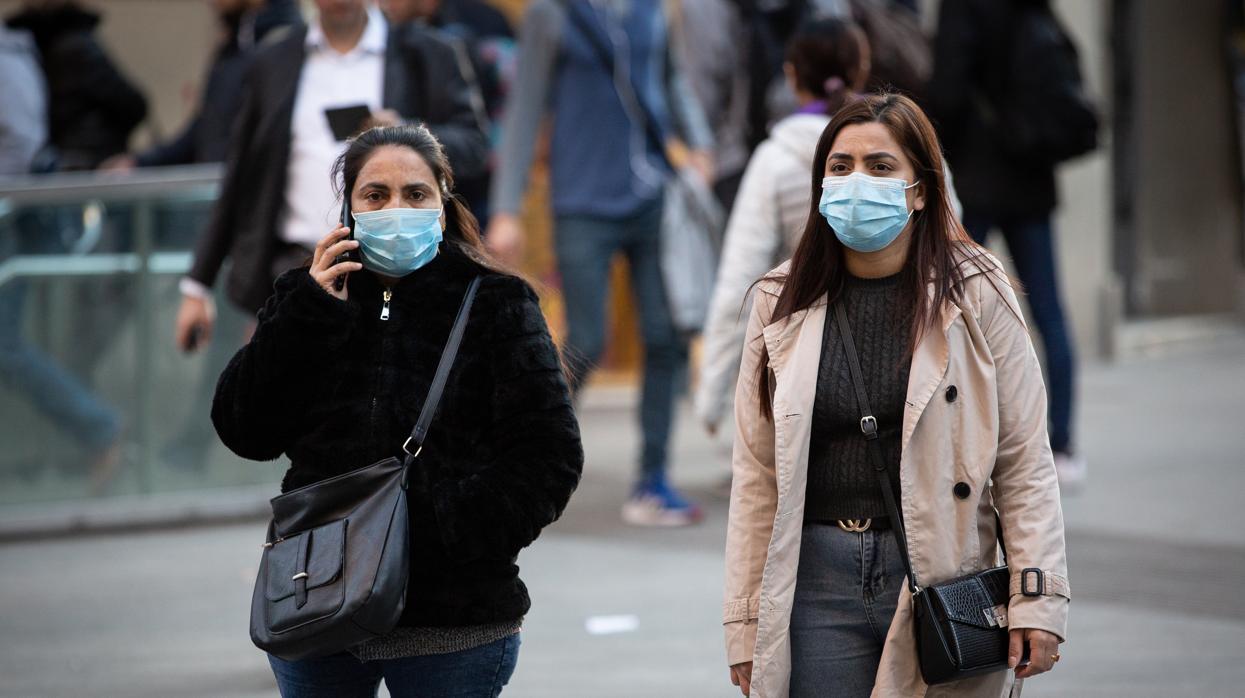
column 335, row 387
column 841, row 479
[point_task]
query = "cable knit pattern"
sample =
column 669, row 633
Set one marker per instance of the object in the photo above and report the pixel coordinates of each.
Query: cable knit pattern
column 841, row 482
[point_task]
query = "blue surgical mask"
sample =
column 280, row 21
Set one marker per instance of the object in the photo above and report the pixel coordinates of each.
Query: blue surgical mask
column 397, row 241
column 866, row 213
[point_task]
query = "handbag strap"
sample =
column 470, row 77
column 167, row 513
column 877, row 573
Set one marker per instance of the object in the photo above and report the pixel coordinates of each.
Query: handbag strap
column 415, row 442
column 869, row 427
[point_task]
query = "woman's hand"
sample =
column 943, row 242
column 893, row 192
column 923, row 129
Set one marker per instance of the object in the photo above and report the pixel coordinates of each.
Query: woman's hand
column 1043, row 651
column 324, row 271
column 741, row 675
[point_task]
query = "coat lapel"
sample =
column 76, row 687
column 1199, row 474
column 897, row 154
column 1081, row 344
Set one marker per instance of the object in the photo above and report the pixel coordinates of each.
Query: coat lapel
column 282, row 85
column 794, row 347
column 403, row 86
column 929, row 364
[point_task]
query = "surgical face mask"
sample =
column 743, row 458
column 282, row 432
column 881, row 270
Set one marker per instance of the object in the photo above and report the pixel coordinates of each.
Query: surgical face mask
column 397, row 241
column 866, row 213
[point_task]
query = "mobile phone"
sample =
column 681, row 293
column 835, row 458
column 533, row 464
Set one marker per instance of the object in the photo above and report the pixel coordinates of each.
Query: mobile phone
column 345, row 122
column 350, row 255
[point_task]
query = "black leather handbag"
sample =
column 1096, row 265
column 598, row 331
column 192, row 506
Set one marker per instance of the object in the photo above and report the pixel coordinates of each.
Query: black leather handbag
column 334, row 567
column 961, row 624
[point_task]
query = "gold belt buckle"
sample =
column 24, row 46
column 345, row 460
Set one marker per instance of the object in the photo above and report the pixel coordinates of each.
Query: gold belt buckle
column 855, row 525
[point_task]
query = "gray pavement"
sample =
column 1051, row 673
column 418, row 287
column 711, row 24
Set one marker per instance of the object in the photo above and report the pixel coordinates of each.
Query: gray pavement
column 1156, row 548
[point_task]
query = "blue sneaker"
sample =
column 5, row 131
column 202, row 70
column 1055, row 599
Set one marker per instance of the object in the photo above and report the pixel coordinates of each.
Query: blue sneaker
column 655, row 503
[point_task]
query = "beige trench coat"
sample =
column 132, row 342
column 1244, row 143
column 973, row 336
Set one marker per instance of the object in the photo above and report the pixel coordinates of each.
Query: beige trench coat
column 992, row 437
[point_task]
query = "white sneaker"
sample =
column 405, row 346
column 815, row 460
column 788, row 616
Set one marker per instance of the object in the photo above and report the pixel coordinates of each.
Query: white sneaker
column 1072, row 471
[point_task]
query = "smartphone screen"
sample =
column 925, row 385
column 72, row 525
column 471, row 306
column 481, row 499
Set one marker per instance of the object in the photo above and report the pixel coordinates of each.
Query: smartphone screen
column 347, row 121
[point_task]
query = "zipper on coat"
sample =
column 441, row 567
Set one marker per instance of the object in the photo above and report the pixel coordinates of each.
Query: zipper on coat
column 380, row 367
column 384, row 309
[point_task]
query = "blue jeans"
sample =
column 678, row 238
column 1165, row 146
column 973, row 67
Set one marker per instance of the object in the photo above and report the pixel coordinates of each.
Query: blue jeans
column 1031, row 242
column 474, row 673
column 585, row 247
column 54, row 391
column 846, row 592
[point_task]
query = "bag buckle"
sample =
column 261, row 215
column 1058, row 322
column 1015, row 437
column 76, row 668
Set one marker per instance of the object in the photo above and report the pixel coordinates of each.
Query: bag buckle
column 406, row 446
column 1039, row 588
column 869, row 425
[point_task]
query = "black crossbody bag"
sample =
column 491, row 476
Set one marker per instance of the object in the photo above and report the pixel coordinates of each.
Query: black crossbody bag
column 961, row 624
column 335, row 565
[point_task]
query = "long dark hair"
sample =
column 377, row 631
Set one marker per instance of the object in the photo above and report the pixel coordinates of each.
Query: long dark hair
column 462, row 230
column 818, row 265
column 828, row 56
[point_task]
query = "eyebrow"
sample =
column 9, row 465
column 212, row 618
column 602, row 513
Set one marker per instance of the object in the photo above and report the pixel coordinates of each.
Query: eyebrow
column 385, row 187
column 880, row 155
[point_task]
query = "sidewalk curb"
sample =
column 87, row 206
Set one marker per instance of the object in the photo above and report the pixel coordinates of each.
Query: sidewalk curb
column 157, row 512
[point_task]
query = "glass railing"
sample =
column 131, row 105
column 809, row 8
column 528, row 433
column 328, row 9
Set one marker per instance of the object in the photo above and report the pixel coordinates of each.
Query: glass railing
column 95, row 399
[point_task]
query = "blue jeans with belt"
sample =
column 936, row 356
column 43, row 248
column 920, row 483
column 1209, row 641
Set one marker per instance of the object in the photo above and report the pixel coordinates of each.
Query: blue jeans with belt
column 1031, row 242
column 846, row 592
column 475, row 673
column 586, row 246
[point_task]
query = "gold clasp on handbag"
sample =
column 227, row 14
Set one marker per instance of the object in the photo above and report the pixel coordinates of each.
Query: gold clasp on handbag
column 855, row 525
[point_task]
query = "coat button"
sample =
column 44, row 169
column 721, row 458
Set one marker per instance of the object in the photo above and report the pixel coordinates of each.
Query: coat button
column 962, row 490
column 952, row 393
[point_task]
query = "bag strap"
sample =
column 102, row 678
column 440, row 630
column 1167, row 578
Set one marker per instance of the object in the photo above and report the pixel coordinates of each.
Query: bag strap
column 605, row 54
column 415, row 442
column 869, row 426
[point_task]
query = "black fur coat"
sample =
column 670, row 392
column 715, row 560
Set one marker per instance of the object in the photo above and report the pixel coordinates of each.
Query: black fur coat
column 336, row 388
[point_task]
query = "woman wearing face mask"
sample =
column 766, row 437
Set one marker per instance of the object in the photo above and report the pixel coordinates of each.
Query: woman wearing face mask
column 335, row 377
column 816, row 599
column 827, row 66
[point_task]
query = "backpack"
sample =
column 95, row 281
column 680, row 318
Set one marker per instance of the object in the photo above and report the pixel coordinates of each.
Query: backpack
column 1041, row 113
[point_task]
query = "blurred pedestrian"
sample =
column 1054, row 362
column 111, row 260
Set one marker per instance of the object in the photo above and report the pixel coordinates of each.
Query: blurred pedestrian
column 245, row 25
column 606, row 73
column 58, row 394
column 92, row 107
column 275, row 202
column 1004, row 72
column 486, row 40
column 713, row 52
column 335, row 375
column 827, row 63
column 816, row 558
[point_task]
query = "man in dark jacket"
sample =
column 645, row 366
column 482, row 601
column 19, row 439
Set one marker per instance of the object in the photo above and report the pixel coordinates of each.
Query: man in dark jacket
column 92, row 107
column 973, row 58
column 276, row 199
column 245, row 26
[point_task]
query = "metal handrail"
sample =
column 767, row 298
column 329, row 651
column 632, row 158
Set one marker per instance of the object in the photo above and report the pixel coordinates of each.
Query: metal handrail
column 61, row 187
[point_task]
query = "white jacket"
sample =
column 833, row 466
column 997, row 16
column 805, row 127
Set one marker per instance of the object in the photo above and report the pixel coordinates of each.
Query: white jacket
column 765, row 226
column 771, row 210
